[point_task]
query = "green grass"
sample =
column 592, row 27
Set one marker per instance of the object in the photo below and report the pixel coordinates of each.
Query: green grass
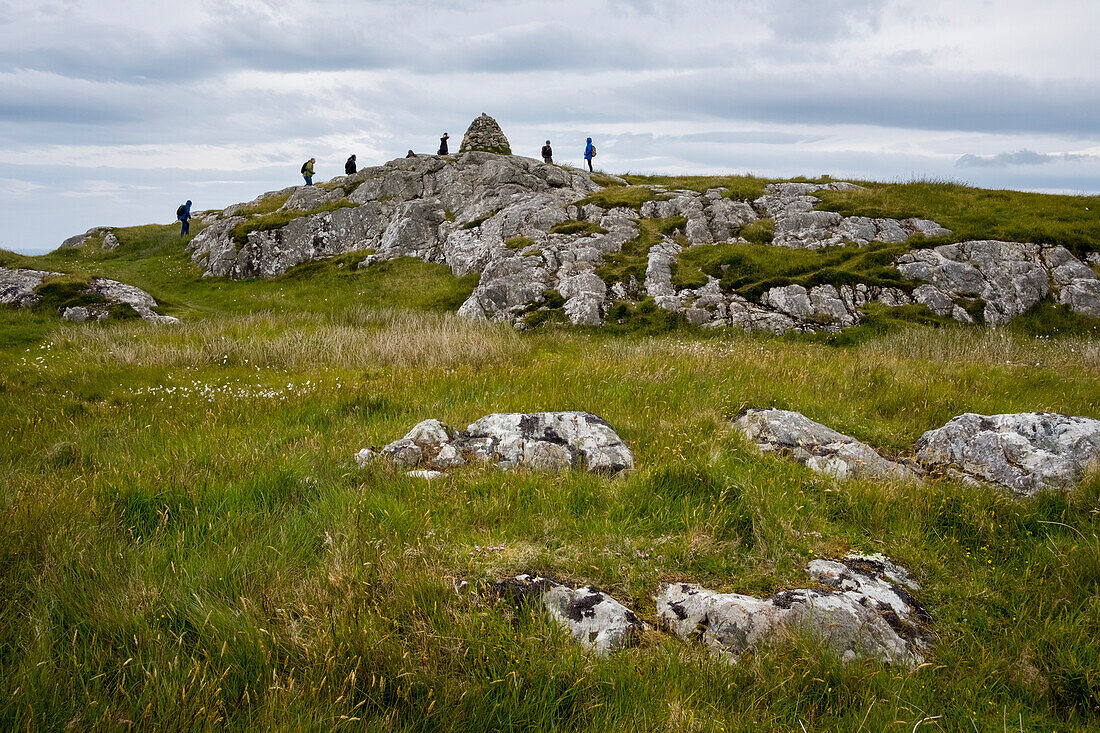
column 630, row 197
column 753, row 269
column 744, row 188
column 577, row 227
column 518, row 242
column 632, row 260
column 975, row 213
column 186, row 542
column 269, row 205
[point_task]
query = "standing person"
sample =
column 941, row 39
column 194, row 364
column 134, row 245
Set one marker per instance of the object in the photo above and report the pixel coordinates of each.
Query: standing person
column 547, row 153
column 307, row 171
column 589, row 153
column 183, row 216
column 349, row 167
column 443, row 144
column 411, row 154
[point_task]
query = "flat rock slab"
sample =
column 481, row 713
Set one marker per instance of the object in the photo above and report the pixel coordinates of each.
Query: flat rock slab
column 1025, row 452
column 816, row 446
column 596, row 620
column 18, row 287
column 867, row 611
column 540, row 441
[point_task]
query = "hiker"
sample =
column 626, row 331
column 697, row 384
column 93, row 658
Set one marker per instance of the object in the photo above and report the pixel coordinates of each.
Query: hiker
column 307, row 171
column 411, row 154
column 589, row 153
column 547, row 153
column 349, row 167
column 183, row 215
column 443, row 144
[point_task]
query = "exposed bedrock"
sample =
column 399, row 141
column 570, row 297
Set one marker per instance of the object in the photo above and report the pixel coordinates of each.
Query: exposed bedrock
column 540, row 441
column 865, row 611
column 593, row 618
column 816, row 446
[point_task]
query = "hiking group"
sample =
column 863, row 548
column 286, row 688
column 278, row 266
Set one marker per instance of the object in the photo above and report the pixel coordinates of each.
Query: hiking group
column 183, row 213
column 350, row 165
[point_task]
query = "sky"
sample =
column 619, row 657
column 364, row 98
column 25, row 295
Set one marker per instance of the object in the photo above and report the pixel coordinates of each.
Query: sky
column 112, row 113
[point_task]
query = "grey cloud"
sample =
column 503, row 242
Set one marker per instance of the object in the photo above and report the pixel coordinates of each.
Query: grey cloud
column 1020, row 157
column 821, row 21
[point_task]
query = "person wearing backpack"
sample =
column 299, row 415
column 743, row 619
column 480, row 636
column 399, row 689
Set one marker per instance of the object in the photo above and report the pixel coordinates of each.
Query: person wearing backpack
column 307, row 171
column 349, row 166
column 589, row 153
column 547, row 153
column 183, row 216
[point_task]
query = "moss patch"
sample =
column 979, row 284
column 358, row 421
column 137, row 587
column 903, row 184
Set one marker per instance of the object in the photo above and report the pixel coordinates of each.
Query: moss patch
column 752, row 269
column 577, row 227
column 630, row 197
column 518, row 242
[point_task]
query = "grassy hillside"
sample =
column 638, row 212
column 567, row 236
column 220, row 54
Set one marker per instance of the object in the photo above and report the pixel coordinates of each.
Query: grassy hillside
column 186, row 542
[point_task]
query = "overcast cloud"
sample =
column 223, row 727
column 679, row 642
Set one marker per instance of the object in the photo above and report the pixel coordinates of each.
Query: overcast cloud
column 113, row 112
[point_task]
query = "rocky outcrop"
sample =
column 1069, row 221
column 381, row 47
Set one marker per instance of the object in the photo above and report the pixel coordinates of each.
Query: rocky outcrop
column 594, row 619
column 484, row 134
column 820, row 448
column 20, row 288
column 541, row 441
column 17, row 287
column 866, row 611
column 798, row 225
column 523, row 227
column 1009, row 277
column 1024, row 452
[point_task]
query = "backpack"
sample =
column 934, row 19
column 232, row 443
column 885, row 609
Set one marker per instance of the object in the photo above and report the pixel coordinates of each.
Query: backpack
column 181, row 211
column 304, row 167
column 593, row 151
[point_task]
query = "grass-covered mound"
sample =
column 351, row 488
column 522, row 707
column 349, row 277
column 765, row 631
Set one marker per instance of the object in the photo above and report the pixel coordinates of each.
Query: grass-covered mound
column 187, row 543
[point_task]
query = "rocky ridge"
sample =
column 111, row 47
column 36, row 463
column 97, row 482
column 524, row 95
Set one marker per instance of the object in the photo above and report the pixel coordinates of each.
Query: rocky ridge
column 521, row 226
column 20, row 288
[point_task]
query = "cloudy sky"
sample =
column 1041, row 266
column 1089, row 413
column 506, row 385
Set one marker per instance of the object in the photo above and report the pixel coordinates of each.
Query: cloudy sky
column 113, row 112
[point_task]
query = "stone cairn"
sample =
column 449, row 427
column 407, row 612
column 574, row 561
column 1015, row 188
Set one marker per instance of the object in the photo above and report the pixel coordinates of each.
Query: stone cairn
column 485, row 134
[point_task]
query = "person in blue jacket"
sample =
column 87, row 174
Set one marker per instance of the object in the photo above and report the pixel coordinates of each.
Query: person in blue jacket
column 183, row 215
column 589, row 153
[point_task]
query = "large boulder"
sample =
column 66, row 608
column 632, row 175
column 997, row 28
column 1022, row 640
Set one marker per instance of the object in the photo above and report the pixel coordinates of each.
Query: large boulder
column 866, row 611
column 816, row 446
column 1024, row 452
column 594, row 619
column 541, row 441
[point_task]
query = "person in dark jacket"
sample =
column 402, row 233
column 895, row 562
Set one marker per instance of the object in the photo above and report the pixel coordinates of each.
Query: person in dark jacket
column 349, row 166
column 547, row 153
column 443, row 144
column 183, row 215
column 411, row 154
column 589, row 153
column 307, row 171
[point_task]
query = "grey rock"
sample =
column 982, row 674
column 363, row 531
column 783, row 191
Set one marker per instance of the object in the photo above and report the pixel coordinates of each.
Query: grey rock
column 542, row 441
column 1010, row 277
column 867, row 613
column 816, row 446
column 594, row 619
column 365, row 456
column 110, row 241
column 426, row 475
column 1024, row 452
column 545, row 439
column 17, row 286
